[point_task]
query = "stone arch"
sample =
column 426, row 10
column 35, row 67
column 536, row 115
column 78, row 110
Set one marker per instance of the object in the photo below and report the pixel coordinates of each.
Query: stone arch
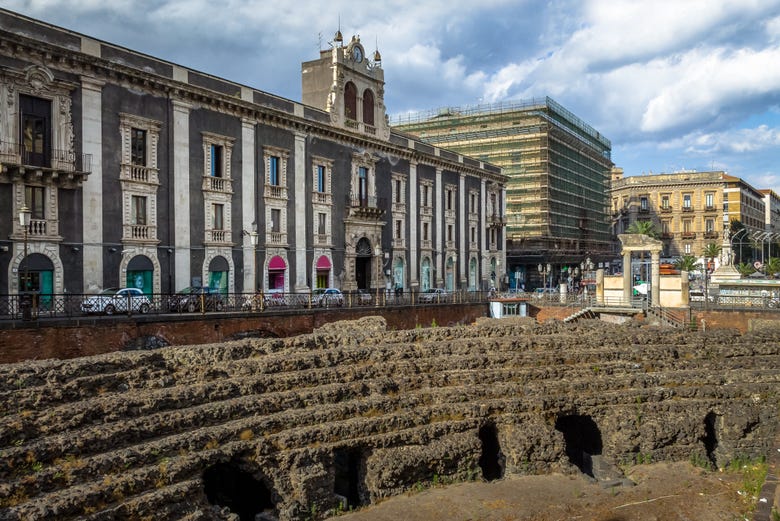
column 635, row 242
column 491, row 459
column 48, row 251
column 230, row 485
column 271, row 260
column 213, row 255
column 350, row 101
column 583, row 440
column 151, row 254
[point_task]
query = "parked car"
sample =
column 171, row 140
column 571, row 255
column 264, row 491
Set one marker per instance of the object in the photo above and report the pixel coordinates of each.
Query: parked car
column 197, row 298
column 362, row 298
column 115, row 300
column 324, row 297
column 434, row 295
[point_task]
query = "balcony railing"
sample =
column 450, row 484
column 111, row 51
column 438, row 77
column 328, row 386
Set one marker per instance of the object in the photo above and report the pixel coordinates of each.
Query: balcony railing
column 666, row 209
column 399, row 207
column 667, row 235
column 426, row 244
column 139, row 174
column 320, row 198
column 140, row 232
column 219, row 236
column 366, row 207
column 399, row 243
column 62, row 160
column 710, row 235
column 426, row 210
column 322, row 238
column 276, row 191
column 217, row 184
column 275, row 238
column 687, row 208
column 688, row 235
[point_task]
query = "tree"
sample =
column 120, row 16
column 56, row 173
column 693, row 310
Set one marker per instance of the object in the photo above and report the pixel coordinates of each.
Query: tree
column 711, row 251
column 745, row 268
column 772, row 267
column 687, row 263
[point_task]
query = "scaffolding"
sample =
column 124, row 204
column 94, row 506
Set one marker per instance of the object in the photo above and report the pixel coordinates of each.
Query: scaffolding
column 558, row 167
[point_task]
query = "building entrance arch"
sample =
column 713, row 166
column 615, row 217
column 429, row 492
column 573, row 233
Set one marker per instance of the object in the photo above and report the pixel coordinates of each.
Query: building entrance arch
column 631, row 242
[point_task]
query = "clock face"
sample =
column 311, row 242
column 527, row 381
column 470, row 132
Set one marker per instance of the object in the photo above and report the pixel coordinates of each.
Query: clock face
column 357, row 54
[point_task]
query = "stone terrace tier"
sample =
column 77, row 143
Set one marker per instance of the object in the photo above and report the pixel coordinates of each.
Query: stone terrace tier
column 354, row 413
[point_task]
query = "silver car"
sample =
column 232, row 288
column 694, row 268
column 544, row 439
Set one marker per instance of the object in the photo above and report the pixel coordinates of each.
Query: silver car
column 114, row 300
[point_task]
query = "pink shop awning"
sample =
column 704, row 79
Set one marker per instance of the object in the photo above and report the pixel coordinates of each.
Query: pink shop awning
column 277, row 263
column 323, row 263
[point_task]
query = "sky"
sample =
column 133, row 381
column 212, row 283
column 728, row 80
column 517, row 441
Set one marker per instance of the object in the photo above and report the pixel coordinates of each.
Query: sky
column 678, row 84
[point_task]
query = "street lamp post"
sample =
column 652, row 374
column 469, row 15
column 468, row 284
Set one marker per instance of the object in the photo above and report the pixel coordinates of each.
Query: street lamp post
column 24, row 220
column 743, row 230
column 544, row 271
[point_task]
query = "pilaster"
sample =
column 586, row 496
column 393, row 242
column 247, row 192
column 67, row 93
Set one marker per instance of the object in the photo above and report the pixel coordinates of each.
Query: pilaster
column 181, row 193
column 92, row 188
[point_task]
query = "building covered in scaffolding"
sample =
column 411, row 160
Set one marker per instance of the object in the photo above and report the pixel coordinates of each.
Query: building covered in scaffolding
column 559, row 178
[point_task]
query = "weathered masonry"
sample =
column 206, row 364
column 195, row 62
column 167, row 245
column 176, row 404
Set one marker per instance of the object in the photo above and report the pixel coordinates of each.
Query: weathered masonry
column 354, row 412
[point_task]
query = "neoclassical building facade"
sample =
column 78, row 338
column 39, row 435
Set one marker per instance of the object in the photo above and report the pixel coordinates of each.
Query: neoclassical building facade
column 140, row 172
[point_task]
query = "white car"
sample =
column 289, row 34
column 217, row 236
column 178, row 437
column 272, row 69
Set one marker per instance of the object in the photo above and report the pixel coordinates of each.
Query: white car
column 114, row 300
column 325, row 297
column 434, row 295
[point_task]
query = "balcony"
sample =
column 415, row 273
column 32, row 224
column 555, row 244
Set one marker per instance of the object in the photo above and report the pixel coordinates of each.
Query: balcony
column 399, row 207
column 667, row 235
column 426, row 211
column 711, row 235
column 65, row 167
column 687, row 208
column 709, row 208
column 217, row 184
column 473, row 246
column 644, row 210
column 275, row 238
column 139, row 174
column 688, row 235
column 275, row 192
column 139, row 233
column 496, row 220
column 399, row 244
column 39, row 229
column 322, row 239
column 449, row 214
column 666, row 209
column 218, row 236
column 320, row 198
column 366, row 207
column 426, row 244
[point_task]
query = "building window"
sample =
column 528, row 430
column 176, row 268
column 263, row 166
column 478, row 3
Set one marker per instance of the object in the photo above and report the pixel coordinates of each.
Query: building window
column 138, row 210
column 665, row 202
column 218, row 222
column 363, row 185
column 276, row 217
column 425, row 231
column 321, row 223
column 424, row 189
column 473, row 203
column 666, row 227
column 398, row 229
column 709, row 225
column 368, row 107
column 709, row 200
column 449, row 232
column 686, row 226
column 643, row 204
column 687, row 201
column 321, row 179
column 473, row 234
column 216, row 161
column 138, row 147
column 273, row 171
column 449, row 199
column 34, row 199
column 687, row 248
column 350, row 101
column 397, row 190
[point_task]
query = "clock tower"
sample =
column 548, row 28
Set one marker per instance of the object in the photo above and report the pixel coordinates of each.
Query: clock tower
column 347, row 84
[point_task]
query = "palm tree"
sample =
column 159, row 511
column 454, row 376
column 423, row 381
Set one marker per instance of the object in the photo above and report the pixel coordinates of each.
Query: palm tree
column 711, row 251
column 643, row 228
column 772, row 267
column 745, row 268
column 687, row 263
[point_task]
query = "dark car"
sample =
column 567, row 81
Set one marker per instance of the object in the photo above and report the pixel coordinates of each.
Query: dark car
column 197, row 299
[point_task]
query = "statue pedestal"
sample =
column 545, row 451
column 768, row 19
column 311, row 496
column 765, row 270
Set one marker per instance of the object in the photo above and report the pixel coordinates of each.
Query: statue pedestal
column 724, row 273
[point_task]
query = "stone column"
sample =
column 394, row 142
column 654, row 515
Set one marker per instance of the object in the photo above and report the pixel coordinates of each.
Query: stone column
column 483, row 238
column 626, row 277
column 463, row 228
column 181, row 193
column 414, row 210
column 92, row 189
column 438, row 225
column 248, row 203
column 300, row 217
column 655, row 262
column 600, row 287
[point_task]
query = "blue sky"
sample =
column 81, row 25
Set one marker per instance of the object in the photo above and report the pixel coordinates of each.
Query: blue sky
column 691, row 84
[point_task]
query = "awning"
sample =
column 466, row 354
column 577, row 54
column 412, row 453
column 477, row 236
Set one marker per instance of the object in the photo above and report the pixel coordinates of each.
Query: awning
column 323, row 263
column 277, row 263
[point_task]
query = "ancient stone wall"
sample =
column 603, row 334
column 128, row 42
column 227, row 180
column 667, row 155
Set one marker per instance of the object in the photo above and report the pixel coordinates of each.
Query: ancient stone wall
column 290, row 428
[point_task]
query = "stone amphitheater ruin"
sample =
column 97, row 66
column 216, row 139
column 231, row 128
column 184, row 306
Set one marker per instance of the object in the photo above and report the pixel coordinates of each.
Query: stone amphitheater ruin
column 281, row 428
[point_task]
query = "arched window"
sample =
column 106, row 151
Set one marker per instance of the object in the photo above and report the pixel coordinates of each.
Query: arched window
column 368, row 107
column 350, row 101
